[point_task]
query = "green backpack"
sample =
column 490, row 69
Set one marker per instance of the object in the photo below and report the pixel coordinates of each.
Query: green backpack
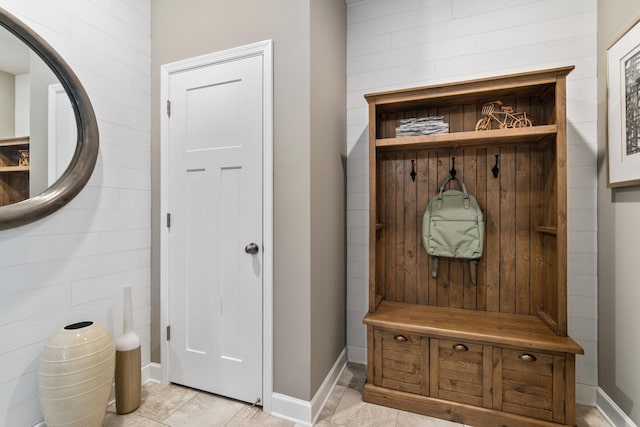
column 453, row 227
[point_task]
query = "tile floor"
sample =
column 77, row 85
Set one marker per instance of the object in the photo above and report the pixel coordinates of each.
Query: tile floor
column 176, row 406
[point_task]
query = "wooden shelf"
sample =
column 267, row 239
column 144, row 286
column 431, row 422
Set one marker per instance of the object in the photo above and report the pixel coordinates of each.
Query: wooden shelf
column 474, row 138
column 547, row 230
column 505, row 329
column 14, row 142
column 379, row 226
column 4, row 169
column 461, row 92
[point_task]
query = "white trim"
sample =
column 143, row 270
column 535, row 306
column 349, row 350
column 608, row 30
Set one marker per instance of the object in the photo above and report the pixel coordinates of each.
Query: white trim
column 586, row 394
column 265, row 49
column 164, row 233
column 291, row 409
column 152, row 373
column 267, row 231
column 327, row 386
column 306, row 413
column 54, row 90
column 357, row 354
column 611, row 411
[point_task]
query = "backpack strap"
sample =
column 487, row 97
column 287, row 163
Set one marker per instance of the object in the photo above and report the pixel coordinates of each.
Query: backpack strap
column 464, row 190
column 434, row 272
column 473, row 266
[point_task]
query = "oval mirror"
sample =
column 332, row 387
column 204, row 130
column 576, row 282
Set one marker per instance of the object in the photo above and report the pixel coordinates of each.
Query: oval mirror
column 48, row 130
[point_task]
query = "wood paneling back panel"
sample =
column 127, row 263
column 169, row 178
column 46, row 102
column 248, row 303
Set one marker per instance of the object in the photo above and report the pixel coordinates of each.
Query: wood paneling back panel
column 14, row 187
column 515, row 206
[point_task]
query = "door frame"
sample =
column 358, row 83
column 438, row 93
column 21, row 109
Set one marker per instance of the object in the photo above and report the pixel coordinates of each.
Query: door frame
column 264, row 49
column 54, row 91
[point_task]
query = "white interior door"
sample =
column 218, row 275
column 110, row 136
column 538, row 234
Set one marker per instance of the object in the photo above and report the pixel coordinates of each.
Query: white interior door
column 61, row 132
column 215, row 139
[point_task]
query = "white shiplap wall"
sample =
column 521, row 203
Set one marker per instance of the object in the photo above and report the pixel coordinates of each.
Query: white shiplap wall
column 73, row 265
column 398, row 44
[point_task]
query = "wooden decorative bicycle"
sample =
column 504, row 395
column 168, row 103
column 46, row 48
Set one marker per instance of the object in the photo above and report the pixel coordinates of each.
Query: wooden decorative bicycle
column 503, row 115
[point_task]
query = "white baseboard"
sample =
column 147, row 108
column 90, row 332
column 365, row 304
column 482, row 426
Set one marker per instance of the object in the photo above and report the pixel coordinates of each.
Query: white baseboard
column 302, row 412
column 152, row 373
column 291, row 409
column 357, row 354
column 327, row 386
column 586, row 394
column 612, row 411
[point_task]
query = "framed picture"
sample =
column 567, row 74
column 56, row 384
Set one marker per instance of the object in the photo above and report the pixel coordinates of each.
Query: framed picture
column 623, row 109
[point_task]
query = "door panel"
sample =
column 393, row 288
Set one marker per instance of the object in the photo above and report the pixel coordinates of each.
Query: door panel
column 215, row 198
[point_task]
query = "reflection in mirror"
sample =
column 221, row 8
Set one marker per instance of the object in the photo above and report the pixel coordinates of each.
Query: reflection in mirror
column 33, row 156
column 37, row 126
column 61, row 135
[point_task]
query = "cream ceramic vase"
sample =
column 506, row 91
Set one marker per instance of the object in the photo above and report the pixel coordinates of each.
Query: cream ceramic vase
column 76, row 376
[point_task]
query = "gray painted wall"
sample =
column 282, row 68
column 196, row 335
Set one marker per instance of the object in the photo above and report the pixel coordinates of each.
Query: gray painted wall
column 328, row 163
column 618, row 236
column 305, row 286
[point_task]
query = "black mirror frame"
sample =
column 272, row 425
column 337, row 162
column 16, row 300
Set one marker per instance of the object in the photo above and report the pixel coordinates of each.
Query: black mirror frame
column 84, row 158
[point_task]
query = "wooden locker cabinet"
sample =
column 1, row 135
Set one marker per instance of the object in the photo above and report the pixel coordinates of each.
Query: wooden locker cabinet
column 404, row 361
column 526, row 381
column 457, row 372
column 494, row 353
column 14, row 178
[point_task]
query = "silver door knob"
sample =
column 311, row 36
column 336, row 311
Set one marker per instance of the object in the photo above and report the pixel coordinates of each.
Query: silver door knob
column 251, row 248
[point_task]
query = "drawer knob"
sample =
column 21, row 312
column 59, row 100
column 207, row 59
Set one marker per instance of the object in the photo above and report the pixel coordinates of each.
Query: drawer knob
column 400, row 338
column 460, row 347
column 526, row 357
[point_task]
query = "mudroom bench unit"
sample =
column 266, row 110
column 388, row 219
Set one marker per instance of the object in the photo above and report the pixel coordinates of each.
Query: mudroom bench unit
column 495, row 352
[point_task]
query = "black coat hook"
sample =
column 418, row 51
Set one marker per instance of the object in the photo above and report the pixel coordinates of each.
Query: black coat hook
column 495, row 168
column 453, row 171
column 413, row 170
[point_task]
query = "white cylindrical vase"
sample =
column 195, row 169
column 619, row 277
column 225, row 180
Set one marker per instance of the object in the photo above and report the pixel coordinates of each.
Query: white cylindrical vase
column 76, row 376
column 128, row 369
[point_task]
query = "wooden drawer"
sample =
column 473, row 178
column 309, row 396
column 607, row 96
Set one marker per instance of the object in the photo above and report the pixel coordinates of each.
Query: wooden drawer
column 401, row 361
column 530, row 383
column 458, row 372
